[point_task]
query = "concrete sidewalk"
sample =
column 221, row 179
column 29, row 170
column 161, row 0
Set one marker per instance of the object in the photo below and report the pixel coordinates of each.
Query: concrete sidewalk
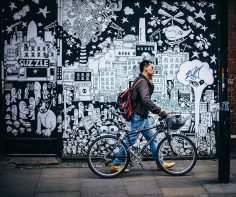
column 70, row 179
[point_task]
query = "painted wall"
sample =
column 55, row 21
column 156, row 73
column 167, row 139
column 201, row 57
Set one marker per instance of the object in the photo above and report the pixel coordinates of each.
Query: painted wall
column 65, row 62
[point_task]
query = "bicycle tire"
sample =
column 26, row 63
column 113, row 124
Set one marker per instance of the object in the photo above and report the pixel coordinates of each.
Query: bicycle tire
column 185, row 157
column 102, row 152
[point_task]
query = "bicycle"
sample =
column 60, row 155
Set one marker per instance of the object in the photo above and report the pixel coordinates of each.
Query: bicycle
column 173, row 147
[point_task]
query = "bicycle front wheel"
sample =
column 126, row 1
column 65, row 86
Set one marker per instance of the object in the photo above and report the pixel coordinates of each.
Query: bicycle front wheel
column 101, row 154
column 178, row 149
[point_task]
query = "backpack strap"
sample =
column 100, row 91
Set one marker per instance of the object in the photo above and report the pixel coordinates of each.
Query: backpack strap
column 133, row 86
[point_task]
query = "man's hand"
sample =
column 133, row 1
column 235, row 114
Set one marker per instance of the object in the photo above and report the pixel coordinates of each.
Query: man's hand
column 163, row 114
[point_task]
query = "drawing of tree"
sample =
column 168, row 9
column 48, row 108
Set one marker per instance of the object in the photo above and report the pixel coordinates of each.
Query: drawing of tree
column 86, row 20
column 198, row 75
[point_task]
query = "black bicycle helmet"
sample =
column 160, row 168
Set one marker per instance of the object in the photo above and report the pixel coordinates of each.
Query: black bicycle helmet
column 174, row 122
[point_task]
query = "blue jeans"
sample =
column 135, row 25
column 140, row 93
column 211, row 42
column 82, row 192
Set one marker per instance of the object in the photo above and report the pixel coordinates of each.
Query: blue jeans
column 139, row 122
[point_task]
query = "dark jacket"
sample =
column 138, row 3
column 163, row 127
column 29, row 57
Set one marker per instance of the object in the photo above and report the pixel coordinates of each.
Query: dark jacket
column 141, row 97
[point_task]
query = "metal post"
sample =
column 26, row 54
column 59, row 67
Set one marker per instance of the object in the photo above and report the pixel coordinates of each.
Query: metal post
column 1, row 108
column 224, row 144
column 224, row 124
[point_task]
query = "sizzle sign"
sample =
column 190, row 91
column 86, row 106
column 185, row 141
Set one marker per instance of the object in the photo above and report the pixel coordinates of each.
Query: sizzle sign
column 33, row 62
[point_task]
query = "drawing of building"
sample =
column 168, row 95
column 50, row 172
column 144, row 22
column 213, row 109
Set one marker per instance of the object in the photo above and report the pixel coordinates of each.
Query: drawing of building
column 79, row 80
column 124, row 56
column 143, row 47
column 171, row 60
column 107, row 81
column 30, row 57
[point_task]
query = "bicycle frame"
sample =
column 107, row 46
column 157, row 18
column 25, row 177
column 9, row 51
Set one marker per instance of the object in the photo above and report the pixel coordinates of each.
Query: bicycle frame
column 171, row 147
column 159, row 128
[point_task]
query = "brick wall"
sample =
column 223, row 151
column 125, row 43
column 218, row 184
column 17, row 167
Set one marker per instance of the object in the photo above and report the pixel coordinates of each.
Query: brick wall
column 232, row 64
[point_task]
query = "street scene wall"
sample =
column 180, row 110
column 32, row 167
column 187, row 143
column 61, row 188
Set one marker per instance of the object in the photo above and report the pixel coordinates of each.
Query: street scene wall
column 64, row 63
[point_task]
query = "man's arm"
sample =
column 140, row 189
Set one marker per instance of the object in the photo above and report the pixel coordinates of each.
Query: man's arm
column 146, row 98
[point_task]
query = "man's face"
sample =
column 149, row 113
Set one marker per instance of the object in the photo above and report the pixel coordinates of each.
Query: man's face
column 149, row 69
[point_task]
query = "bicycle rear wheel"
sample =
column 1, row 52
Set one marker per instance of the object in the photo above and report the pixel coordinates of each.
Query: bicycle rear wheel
column 101, row 154
column 180, row 150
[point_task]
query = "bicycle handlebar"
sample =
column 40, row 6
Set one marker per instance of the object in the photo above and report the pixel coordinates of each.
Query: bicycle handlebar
column 161, row 118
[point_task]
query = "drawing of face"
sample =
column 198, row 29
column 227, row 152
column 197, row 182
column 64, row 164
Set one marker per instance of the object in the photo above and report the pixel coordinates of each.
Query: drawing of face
column 175, row 33
column 32, row 103
column 100, row 2
column 8, row 98
column 105, row 111
column 26, row 91
column 68, row 119
column 14, row 108
column 44, row 107
column 90, row 106
column 59, row 119
column 37, row 87
column 13, row 91
column 81, row 105
column 22, row 106
column 45, row 86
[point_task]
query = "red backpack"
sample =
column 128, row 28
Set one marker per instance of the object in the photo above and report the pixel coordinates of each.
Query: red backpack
column 125, row 104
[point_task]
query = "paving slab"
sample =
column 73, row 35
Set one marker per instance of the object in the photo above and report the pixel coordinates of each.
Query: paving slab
column 93, row 187
column 138, row 175
column 97, row 194
column 205, row 168
column 76, row 179
column 34, row 160
column 196, row 191
column 161, row 174
column 222, row 195
column 103, row 191
column 3, row 166
column 58, row 194
column 58, row 184
column 177, row 182
column 233, row 167
column 142, row 188
column 18, row 184
column 206, row 176
column 60, row 172
column 98, row 182
column 102, row 187
column 147, row 195
column 15, row 171
column 207, row 162
column 12, row 193
column 89, row 175
column 130, row 178
column 113, row 195
column 229, row 188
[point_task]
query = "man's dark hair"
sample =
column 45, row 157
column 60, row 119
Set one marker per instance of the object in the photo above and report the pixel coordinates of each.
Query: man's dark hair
column 143, row 64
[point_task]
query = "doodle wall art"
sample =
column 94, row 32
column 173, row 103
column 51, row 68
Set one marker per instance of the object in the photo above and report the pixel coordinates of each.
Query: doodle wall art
column 65, row 62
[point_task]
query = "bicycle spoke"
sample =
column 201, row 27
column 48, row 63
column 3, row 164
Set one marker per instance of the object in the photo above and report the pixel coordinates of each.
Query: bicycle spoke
column 102, row 153
column 181, row 152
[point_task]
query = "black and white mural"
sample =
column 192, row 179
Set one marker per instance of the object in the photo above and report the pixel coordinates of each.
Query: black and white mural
column 64, row 62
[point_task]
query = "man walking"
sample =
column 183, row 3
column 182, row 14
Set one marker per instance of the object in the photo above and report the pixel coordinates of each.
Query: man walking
column 142, row 106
